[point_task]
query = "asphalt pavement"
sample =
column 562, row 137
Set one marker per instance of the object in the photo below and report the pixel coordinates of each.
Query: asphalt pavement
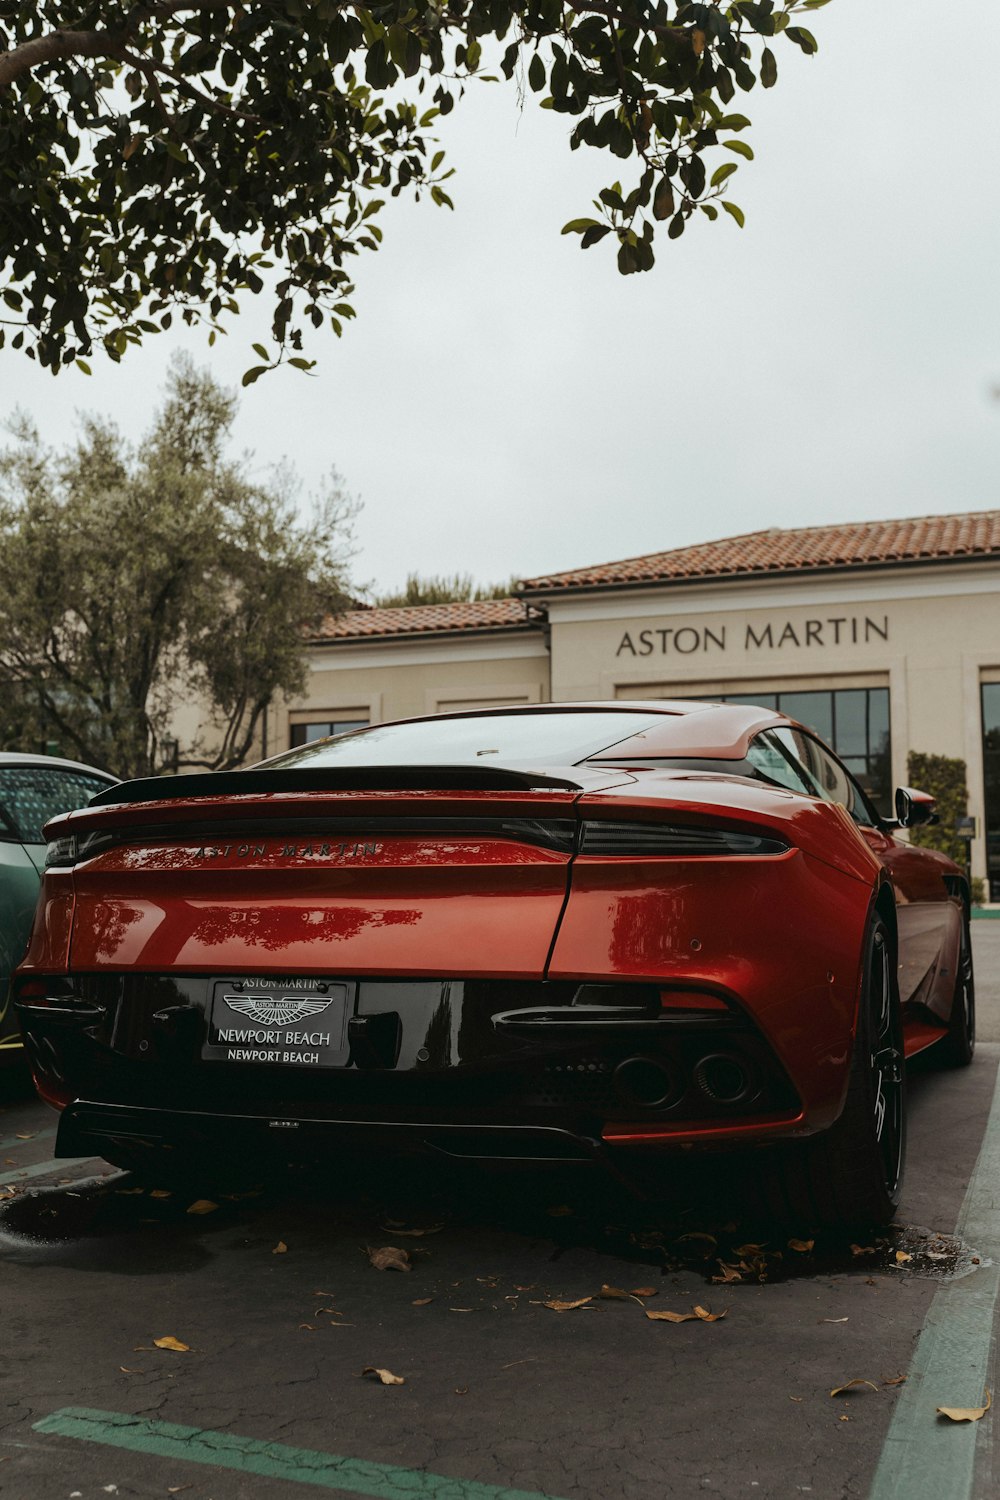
column 514, row 1376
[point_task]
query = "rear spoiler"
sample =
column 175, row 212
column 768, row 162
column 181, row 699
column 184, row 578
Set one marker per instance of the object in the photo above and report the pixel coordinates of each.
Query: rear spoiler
column 333, row 779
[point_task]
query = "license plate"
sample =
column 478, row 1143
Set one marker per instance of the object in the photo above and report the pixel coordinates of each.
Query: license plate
column 294, row 1023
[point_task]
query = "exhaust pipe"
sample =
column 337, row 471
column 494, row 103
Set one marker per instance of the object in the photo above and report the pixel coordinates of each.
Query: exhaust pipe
column 645, row 1081
column 725, row 1078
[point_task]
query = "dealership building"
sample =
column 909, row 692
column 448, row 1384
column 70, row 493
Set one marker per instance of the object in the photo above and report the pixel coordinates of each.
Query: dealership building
column 884, row 636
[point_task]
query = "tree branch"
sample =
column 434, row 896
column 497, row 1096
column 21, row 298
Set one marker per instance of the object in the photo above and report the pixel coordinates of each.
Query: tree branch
column 55, row 46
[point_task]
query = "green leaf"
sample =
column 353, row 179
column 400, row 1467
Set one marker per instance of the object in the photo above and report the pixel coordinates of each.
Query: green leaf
column 768, row 69
column 803, row 39
column 721, row 173
column 734, row 212
column 579, row 226
column 259, row 349
column 81, row 364
column 592, row 235
column 536, row 74
column 709, row 210
column 473, row 53
column 251, row 375
column 663, row 199
column 742, row 148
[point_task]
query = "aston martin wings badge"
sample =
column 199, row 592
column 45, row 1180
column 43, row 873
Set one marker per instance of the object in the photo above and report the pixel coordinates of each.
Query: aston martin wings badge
column 269, row 1012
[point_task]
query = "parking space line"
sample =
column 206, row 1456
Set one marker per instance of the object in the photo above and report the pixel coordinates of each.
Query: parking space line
column 271, row 1460
column 11, row 1176
column 925, row 1456
column 11, row 1142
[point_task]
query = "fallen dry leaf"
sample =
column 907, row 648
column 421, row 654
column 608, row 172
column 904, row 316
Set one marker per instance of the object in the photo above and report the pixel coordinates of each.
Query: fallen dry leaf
column 896, row 1380
column 561, row 1211
column 280, row 1248
column 164, row 1193
column 852, row 1385
column 169, row 1342
column 643, row 1291
column 421, row 1301
column 413, row 1234
column 699, row 1237
column 25, row 1135
column 385, row 1376
column 129, row 1192
column 748, row 1249
column 177, row 1489
column 389, row 1258
column 461, row 1390
column 729, row 1274
column 203, row 1206
column 311, row 1327
column 461, row 1309
column 966, row 1413
column 613, row 1294
column 797, row 1399
column 902, row 1257
column 862, row 1249
column 126, row 1371
column 803, row 1246
column 558, row 1306
column 832, row 1320
column 671, row 1317
column 707, row 1316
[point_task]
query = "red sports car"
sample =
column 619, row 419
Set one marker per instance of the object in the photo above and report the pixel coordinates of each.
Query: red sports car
column 603, row 931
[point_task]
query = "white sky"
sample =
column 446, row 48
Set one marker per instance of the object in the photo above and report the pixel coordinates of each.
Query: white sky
column 507, row 404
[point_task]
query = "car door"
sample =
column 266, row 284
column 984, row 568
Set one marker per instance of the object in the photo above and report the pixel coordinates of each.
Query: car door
column 928, row 918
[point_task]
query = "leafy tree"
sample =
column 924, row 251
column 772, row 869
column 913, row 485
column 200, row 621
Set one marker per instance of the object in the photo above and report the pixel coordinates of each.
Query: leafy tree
column 161, row 157
column 454, row 588
column 944, row 778
column 138, row 583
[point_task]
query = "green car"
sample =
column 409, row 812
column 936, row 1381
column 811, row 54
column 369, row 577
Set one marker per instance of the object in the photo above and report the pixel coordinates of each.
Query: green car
column 33, row 789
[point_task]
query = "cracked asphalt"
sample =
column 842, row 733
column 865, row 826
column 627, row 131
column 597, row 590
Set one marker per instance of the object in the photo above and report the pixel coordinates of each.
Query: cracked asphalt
column 589, row 1403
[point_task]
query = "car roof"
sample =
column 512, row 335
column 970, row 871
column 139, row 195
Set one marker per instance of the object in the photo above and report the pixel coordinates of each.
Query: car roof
column 17, row 758
column 690, row 727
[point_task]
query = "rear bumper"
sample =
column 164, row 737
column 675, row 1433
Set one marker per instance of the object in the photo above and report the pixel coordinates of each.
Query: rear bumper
column 122, row 1134
column 94, row 1128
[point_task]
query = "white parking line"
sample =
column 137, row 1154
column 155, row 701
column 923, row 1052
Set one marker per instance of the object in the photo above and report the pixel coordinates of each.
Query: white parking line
column 11, row 1177
column 926, row 1457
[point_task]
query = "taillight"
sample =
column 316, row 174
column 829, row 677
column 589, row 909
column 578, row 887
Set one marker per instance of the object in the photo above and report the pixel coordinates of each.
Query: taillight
column 668, row 838
column 71, row 848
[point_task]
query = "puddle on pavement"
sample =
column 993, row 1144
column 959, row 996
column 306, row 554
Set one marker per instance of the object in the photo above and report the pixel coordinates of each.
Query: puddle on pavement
column 118, row 1225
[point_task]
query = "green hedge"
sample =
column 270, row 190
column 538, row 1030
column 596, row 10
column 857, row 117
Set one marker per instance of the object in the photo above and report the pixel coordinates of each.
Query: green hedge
column 944, row 779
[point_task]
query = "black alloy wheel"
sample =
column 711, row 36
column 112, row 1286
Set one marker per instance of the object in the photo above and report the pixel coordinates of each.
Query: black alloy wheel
column 850, row 1177
column 956, row 1050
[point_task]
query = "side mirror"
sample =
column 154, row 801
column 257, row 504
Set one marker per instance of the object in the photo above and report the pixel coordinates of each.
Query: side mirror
column 914, row 808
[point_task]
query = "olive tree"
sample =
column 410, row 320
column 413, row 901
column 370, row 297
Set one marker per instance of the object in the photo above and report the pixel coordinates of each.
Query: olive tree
column 142, row 586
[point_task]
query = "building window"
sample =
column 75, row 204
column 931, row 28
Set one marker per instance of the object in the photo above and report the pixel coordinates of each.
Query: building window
column 855, row 722
column 304, row 734
column 991, row 783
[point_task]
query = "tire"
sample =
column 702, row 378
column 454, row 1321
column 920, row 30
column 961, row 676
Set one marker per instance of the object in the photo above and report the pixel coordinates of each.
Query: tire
column 956, row 1050
column 850, row 1177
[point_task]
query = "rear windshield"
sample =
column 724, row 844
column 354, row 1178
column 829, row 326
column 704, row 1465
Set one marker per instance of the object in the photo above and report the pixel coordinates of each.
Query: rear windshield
column 500, row 739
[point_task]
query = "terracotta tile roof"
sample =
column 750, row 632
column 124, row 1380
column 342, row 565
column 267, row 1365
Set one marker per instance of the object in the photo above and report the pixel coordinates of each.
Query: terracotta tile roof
column 851, row 545
column 427, row 619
